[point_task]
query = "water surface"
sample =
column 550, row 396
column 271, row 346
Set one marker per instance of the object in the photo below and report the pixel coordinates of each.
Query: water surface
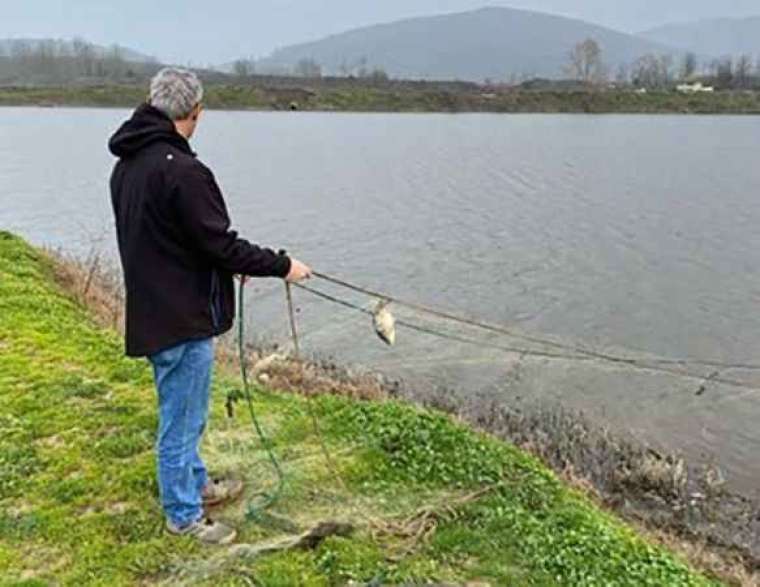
column 629, row 234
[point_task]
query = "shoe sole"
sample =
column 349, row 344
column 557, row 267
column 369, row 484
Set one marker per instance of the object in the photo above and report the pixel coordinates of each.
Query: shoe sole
column 223, row 542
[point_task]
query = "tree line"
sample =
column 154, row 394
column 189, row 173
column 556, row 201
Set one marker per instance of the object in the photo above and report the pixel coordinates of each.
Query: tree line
column 50, row 61
column 310, row 68
column 77, row 61
column 586, row 64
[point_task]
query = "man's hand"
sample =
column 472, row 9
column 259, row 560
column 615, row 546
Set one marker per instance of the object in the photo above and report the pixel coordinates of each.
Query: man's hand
column 298, row 271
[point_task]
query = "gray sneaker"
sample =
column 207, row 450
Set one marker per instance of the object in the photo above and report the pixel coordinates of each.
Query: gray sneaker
column 206, row 530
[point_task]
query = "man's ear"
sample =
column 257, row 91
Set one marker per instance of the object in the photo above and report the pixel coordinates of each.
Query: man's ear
column 196, row 113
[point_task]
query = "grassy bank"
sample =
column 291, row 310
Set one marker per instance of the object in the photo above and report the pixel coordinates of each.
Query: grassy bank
column 357, row 96
column 430, row 500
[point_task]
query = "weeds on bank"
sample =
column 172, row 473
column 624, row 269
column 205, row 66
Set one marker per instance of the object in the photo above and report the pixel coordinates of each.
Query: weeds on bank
column 395, row 96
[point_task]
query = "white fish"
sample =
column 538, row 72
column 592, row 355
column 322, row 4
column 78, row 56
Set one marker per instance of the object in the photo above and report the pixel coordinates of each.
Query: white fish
column 385, row 323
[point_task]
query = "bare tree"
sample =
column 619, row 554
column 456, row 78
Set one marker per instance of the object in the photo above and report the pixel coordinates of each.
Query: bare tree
column 361, row 68
column 645, row 73
column 43, row 57
column 244, row 67
column 723, row 71
column 63, row 62
column 585, row 63
column 114, row 62
column 308, row 68
column 688, row 66
column 84, row 55
column 743, row 72
column 623, row 75
column 666, row 68
column 20, row 49
column 378, row 75
column 652, row 71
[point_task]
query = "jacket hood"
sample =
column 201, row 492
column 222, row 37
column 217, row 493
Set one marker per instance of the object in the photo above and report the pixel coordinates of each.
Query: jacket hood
column 147, row 126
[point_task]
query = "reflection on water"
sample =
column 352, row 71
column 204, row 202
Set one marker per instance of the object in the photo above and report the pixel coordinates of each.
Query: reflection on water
column 640, row 234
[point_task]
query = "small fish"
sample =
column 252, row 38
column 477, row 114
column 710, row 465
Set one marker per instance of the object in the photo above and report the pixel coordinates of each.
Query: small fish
column 385, row 323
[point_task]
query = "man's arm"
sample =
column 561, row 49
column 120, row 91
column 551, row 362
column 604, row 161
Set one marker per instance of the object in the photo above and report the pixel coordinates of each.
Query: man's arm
column 203, row 216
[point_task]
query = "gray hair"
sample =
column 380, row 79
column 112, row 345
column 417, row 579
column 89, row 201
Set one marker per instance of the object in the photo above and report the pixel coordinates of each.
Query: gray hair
column 175, row 92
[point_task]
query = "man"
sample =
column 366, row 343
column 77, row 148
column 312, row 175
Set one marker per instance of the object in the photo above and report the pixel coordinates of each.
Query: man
column 179, row 257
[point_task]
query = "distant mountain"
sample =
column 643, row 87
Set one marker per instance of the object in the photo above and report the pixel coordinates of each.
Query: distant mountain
column 61, row 47
column 716, row 37
column 491, row 43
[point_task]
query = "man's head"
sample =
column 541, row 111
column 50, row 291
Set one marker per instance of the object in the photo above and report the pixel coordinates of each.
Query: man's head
column 178, row 94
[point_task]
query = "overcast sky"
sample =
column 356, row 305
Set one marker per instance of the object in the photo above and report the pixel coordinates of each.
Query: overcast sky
column 201, row 32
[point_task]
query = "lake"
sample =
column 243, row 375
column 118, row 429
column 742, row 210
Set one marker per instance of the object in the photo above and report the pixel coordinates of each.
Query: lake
column 629, row 234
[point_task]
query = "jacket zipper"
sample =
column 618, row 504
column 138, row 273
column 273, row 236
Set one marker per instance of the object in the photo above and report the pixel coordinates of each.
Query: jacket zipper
column 214, row 299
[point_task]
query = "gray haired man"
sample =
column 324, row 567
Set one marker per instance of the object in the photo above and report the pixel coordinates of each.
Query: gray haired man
column 179, row 256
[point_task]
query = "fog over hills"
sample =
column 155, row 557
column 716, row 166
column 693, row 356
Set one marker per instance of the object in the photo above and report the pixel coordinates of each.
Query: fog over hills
column 722, row 36
column 487, row 43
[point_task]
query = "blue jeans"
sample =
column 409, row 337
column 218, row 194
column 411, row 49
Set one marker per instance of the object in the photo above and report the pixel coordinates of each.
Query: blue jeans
column 183, row 379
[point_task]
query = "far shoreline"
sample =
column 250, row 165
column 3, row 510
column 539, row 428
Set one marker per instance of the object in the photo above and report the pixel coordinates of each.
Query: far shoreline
column 242, row 110
column 392, row 98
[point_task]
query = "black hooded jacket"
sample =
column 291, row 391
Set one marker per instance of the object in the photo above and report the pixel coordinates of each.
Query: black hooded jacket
column 177, row 250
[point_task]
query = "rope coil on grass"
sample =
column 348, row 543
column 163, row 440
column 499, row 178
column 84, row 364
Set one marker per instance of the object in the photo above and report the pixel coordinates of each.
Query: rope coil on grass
column 255, row 509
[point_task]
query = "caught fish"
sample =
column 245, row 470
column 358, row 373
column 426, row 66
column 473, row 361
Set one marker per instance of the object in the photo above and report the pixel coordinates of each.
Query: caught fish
column 385, row 323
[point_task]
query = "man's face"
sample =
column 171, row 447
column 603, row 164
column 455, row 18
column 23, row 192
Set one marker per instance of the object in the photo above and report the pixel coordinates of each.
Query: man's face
column 195, row 117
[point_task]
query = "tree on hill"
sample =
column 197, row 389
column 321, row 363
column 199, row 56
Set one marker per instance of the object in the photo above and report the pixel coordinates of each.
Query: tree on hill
column 585, row 63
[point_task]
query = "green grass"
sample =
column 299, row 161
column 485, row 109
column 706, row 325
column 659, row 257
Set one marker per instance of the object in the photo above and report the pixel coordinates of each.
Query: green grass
column 78, row 492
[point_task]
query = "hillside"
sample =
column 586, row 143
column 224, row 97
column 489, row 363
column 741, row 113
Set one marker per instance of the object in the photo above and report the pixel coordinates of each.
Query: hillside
column 428, row 499
column 493, row 43
column 715, row 37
